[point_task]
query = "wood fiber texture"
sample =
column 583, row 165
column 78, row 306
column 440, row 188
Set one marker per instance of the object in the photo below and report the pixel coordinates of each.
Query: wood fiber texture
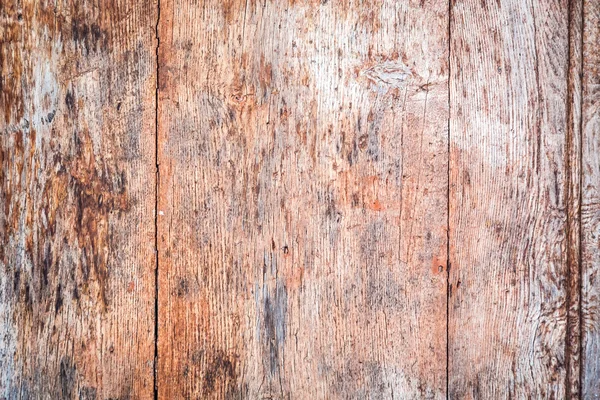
column 590, row 201
column 509, row 199
column 77, row 146
column 299, row 199
column 303, row 199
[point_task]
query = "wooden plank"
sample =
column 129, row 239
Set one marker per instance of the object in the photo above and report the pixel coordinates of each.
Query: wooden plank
column 510, row 197
column 590, row 208
column 77, row 155
column 303, row 199
column 573, row 203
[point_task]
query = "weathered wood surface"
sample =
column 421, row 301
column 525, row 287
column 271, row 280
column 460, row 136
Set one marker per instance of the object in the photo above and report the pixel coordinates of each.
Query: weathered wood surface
column 303, row 199
column 511, row 201
column 316, row 160
column 77, row 155
column 590, row 207
column 573, row 152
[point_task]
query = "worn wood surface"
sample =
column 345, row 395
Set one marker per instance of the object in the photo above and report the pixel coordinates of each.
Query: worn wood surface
column 299, row 199
column 77, row 123
column 302, row 208
column 590, row 207
column 573, row 152
column 510, row 197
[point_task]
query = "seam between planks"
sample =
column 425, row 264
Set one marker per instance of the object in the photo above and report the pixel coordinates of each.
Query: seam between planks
column 580, row 194
column 156, row 188
column 568, row 198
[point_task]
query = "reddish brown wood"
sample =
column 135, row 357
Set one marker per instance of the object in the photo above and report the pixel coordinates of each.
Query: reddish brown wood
column 316, row 160
column 303, row 189
column 77, row 148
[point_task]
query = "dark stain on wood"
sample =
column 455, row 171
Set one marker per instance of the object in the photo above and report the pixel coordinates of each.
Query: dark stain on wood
column 88, row 393
column 220, row 369
column 68, row 373
column 274, row 325
column 66, row 197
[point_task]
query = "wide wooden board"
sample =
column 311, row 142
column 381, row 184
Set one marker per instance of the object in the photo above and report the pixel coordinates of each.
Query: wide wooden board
column 302, row 199
column 77, row 166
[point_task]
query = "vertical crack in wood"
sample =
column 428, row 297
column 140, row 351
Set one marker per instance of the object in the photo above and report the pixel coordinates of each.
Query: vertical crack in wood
column 448, row 212
column 156, row 188
column 580, row 195
column 569, row 135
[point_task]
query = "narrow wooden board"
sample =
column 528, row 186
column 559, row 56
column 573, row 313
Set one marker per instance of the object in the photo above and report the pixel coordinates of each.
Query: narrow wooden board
column 573, row 160
column 303, row 199
column 77, row 156
column 510, row 197
column 590, row 208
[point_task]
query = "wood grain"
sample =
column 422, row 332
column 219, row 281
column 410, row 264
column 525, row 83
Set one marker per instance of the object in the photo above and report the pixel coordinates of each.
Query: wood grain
column 590, row 207
column 303, row 199
column 77, row 150
column 318, row 162
column 573, row 160
column 509, row 199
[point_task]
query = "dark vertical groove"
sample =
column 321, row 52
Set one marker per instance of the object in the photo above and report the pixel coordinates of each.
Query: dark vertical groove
column 568, row 206
column 448, row 266
column 157, row 177
column 580, row 250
